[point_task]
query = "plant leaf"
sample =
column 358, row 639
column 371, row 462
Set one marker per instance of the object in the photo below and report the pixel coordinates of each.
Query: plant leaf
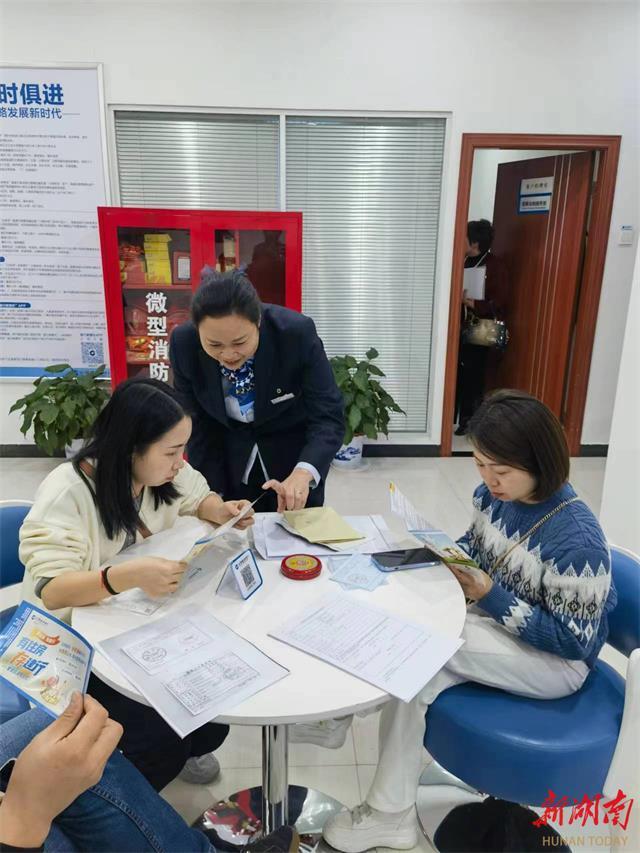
column 354, row 417
column 57, row 368
column 373, row 368
column 361, row 381
column 372, row 353
column 48, row 414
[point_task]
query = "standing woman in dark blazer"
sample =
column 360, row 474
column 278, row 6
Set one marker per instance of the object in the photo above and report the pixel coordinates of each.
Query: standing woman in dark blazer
column 267, row 413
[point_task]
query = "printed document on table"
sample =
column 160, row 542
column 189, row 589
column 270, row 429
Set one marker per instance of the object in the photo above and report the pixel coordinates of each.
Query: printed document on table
column 272, row 540
column 387, row 651
column 191, row 667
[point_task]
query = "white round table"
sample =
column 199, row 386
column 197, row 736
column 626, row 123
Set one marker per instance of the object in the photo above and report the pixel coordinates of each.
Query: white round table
column 314, row 690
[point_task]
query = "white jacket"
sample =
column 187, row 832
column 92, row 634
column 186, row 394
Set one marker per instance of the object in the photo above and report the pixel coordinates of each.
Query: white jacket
column 63, row 532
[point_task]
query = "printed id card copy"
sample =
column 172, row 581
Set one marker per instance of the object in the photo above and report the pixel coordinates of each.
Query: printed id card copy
column 44, row 658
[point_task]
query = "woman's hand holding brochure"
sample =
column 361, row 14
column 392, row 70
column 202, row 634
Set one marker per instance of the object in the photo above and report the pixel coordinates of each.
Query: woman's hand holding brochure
column 156, row 576
column 475, row 583
column 59, row 764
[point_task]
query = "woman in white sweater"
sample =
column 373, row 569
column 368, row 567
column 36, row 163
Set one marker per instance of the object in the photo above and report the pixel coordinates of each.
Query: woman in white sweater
column 129, row 481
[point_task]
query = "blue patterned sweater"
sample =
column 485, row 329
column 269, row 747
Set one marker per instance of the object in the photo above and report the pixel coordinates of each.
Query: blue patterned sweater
column 555, row 589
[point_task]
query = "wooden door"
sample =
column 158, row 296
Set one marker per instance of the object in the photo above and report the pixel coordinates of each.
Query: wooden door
column 541, row 238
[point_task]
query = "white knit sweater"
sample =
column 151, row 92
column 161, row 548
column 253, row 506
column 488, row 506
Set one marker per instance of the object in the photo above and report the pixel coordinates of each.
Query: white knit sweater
column 63, row 532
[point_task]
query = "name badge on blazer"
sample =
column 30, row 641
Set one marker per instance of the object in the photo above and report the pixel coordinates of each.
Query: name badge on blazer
column 282, row 398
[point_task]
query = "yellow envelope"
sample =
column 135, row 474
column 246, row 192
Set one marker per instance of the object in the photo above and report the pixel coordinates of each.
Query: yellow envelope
column 321, row 524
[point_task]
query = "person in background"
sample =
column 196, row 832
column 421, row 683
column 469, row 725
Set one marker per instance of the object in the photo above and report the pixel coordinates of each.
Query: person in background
column 129, row 481
column 70, row 789
column 267, row 268
column 542, row 596
column 267, row 413
column 472, row 359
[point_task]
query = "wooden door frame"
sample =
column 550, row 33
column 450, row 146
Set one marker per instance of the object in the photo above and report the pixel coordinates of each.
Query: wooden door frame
column 587, row 309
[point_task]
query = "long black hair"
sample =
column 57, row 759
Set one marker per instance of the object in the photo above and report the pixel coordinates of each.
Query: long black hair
column 221, row 294
column 139, row 413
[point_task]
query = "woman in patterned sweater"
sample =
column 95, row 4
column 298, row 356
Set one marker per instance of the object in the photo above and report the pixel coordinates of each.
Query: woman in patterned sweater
column 539, row 617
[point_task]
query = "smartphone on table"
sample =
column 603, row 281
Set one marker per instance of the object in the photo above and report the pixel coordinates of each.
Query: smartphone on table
column 405, row 558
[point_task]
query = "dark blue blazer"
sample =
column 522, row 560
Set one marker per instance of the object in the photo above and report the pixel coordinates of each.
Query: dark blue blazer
column 307, row 426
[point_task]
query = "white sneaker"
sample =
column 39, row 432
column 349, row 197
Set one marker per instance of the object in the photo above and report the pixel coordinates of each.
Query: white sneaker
column 200, row 770
column 328, row 733
column 364, row 827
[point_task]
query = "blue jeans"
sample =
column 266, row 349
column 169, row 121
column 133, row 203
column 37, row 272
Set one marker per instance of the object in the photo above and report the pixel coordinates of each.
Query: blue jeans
column 121, row 813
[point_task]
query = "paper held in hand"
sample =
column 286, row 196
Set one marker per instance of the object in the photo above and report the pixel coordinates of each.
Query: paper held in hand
column 44, row 659
column 473, row 282
column 438, row 541
column 170, row 545
column 205, row 541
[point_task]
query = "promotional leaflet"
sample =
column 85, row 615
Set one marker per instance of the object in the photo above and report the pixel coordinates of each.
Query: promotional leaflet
column 44, row 658
column 449, row 552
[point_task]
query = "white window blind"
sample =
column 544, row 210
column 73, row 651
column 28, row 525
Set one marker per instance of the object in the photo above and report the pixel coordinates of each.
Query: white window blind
column 369, row 191
column 179, row 160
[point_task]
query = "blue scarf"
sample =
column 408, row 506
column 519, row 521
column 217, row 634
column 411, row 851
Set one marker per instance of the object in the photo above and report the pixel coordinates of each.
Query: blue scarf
column 242, row 382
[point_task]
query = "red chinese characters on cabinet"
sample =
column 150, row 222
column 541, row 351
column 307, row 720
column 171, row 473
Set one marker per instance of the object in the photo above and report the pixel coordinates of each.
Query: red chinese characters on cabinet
column 152, row 261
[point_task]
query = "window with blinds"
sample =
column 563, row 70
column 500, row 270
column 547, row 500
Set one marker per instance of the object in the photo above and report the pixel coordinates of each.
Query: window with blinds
column 180, row 160
column 369, row 191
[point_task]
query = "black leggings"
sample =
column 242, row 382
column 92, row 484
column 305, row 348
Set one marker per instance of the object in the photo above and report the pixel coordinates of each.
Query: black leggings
column 148, row 742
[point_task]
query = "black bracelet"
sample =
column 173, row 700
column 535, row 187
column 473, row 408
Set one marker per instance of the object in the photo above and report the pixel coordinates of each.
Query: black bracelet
column 105, row 581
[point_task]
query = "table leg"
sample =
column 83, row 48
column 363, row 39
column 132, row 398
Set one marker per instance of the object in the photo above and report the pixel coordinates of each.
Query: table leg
column 275, row 785
column 233, row 822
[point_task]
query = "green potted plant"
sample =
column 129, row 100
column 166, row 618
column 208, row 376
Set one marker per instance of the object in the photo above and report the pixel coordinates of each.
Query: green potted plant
column 62, row 408
column 367, row 405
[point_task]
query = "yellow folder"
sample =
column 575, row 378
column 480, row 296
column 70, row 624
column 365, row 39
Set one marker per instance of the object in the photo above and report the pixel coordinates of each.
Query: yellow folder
column 321, row 524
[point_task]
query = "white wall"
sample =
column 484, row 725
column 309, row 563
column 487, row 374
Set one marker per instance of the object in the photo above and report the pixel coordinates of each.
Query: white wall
column 517, row 67
column 620, row 509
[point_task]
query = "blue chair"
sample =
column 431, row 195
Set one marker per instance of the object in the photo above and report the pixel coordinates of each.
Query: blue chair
column 12, row 514
column 517, row 749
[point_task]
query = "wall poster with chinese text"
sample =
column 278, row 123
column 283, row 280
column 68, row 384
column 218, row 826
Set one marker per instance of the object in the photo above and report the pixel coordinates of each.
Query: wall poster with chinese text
column 51, row 155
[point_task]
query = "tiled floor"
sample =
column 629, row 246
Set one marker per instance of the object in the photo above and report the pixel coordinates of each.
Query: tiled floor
column 441, row 489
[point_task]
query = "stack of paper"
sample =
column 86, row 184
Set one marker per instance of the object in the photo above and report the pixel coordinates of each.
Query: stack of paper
column 272, row 540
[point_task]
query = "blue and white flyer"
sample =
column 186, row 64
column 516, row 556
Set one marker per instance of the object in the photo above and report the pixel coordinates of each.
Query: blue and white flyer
column 44, row 658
